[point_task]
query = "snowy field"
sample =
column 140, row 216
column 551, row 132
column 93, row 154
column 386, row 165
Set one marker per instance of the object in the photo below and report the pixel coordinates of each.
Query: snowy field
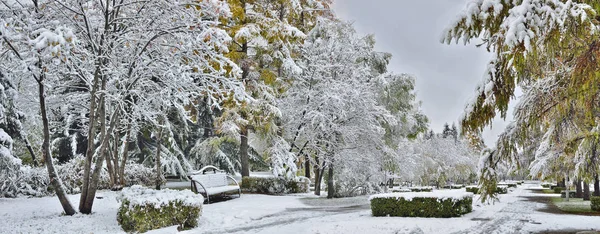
column 520, row 211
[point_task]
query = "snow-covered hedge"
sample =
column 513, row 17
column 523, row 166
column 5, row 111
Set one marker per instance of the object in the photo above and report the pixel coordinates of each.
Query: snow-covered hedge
column 17, row 179
column 595, row 203
column 439, row 204
column 508, row 184
column 421, row 189
column 501, row 189
column 401, row 190
column 144, row 209
column 472, row 189
column 275, row 185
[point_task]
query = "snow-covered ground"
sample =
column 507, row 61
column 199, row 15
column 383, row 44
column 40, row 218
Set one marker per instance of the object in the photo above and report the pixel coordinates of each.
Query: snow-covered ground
column 519, row 211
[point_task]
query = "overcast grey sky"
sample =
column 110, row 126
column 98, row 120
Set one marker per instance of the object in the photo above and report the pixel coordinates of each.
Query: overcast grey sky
column 411, row 29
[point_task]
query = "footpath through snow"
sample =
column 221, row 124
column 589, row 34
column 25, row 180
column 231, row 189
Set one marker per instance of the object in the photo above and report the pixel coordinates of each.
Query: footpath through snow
column 519, row 211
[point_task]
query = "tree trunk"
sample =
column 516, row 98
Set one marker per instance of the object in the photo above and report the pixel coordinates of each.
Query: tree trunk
column 125, row 155
column 330, row 188
column 586, row 191
column 244, row 152
column 30, row 150
column 110, row 168
column 307, row 166
column 318, row 176
column 596, row 186
column 89, row 154
column 158, row 166
column 116, row 185
column 86, row 208
column 579, row 192
column 54, row 178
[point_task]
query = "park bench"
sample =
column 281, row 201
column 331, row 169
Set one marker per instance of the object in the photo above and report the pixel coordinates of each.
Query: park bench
column 210, row 181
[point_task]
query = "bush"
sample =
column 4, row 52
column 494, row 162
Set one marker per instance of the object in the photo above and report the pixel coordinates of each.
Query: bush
column 501, row 189
column 144, row 209
column 17, row 179
column 595, row 202
column 421, row 189
column 558, row 189
column 472, row 189
column 275, row 185
column 508, row 184
column 401, row 190
column 563, row 194
column 421, row 205
column 520, row 182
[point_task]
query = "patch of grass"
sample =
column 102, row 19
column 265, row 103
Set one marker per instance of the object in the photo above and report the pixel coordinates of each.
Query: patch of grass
column 574, row 205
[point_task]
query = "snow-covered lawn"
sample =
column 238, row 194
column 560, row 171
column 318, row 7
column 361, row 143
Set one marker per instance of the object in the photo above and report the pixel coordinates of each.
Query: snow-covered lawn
column 517, row 212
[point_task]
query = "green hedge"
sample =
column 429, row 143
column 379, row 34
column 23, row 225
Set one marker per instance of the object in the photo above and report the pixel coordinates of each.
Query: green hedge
column 275, row 185
column 145, row 209
column 501, row 190
column 563, row 194
column 558, row 189
column 421, row 189
column 595, row 202
column 421, row 207
column 474, row 190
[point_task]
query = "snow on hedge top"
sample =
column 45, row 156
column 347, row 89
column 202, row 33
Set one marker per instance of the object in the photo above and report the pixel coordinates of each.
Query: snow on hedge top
column 450, row 194
column 138, row 195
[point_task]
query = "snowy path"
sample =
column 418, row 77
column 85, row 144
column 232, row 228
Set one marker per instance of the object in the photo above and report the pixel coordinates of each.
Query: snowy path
column 520, row 211
column 517, row 212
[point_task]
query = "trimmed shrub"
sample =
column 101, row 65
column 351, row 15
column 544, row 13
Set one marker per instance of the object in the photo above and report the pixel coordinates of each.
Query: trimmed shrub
column 144, row 209
column 563, row 194
column 508, row 184
column 401, row 190
column 595, row 202
column 438, row 205
column 472, row 189
column 558, row 189
column 421, row 189
column 501, row 189
column 275, row 185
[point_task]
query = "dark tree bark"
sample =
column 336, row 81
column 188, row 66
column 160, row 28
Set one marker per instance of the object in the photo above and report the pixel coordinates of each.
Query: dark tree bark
column 307, row 166
column 586, row 191
column 596, row 186
column 52, row 174
column 579, row 192
column 244, row 152
column 330, row 185
column 318, row 176
column 158, row 166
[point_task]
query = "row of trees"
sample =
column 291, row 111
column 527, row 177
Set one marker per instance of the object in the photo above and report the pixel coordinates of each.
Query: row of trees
column 241, row 84
column 436, row 159
column 548, row 49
